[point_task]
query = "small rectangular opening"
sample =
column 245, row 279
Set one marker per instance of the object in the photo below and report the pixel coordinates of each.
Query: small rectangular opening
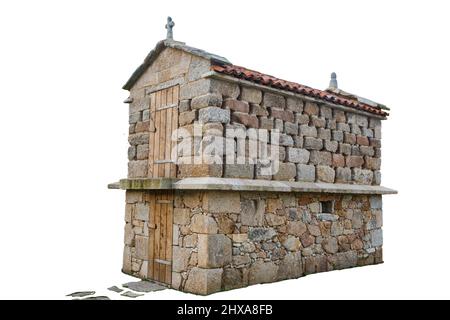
column 327, row 206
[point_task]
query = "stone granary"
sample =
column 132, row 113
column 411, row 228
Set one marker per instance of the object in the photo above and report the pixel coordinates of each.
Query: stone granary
column 238, row 178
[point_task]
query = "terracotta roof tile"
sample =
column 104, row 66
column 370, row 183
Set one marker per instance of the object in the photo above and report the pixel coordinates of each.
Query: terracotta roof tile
column 267, row 80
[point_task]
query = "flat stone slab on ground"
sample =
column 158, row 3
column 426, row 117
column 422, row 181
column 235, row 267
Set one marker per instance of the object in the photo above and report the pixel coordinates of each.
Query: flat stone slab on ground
column 81, row 294
column 131, row 294
column 115, row 289
column 143, row 286
column 97, row 298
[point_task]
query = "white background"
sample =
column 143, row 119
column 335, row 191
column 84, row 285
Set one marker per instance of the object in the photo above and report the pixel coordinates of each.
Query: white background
column 63, row 129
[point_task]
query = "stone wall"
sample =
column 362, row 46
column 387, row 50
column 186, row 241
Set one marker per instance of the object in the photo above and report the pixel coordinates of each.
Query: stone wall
column 317, row 143
column 226, row 240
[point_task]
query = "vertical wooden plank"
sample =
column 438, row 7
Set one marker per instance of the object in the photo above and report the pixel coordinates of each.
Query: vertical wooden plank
column 173, row 166
column 162, row 138
column 169, row 235
column 162, row 240
column 168, row 133
column 157, row 236
column 151, row 237
column 157, row 134
column 151, row 139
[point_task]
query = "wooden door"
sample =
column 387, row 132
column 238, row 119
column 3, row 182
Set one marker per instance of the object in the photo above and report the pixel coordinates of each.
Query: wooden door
column 160, row 236
column 163, row 121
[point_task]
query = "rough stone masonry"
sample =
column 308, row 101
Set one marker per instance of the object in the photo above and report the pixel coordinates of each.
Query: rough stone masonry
column 206, row 227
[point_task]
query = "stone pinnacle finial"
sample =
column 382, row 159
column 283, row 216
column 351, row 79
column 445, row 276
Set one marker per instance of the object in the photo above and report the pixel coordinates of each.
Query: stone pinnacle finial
column 333, row 81
column 169, row 26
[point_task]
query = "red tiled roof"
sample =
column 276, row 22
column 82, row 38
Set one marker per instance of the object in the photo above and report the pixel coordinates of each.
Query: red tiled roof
column 264, row 79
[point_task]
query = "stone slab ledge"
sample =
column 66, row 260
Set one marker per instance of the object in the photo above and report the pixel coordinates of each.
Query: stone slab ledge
column 209, row 183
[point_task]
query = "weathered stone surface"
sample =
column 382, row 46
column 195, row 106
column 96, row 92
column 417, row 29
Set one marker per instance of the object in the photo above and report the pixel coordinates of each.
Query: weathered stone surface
column 180, row 258
column 372, row 163
column 376, row 177
column 187, row 117
column 330, row 245
column 308, row 131
column 251, row 95
column 273, row 100
column 240, row 260
column 314, row 230
column 222, row 202
column 225, row 224
column 199, row 170
column 349, row 138
column 292, row 243
column 214, row 250
column 265, row 123
column 286, row 172
column 261, row 234
column 242, row 171
column 274, row 219
column 252, row 213
column 311, row 108
column 194, row 89
column 327, row 217
column 290, row 267
column 203, row 224
column 190, row 241
column 143, row 286
column 294, row 104
column 345, row 127
column 318, row 122
column 142, row 211
column 80, row 294
column 137, row 169
column 338, row 160
column 337, row 228
column 126, row 261
column 262, row 272
column 291, row 128
column 237, row 105
column 184, row 105
column 129, row 235
column 181, row 216
column 354, row 161
column 337, row 135
column 142, row 152
column 320, row 158
column 301, row 118
column 214, row 114
column 331, row 146
column 307, row 240
column 325, row 174
column 345, row 148
column 346, row 260
column 376, row 202
column 226, row 89
column 141, row 247
column 204, row 281
column 343, row 175
column 297, row 155
column 285, row 115
column 306, row 173
column 376, row 237
column 132, row 150
column 234, row 278
column 248, row 120
column 362, row 176
column 286, row 140
column 131, row 294
column 258, row 110
column 296, row 228
column 312, row 143
column 363, row 141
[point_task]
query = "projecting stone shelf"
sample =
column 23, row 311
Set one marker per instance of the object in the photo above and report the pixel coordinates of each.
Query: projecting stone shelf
column 207, row 183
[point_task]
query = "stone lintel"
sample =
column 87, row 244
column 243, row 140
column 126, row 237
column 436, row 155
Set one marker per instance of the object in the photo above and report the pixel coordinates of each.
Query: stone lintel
column 229, row 184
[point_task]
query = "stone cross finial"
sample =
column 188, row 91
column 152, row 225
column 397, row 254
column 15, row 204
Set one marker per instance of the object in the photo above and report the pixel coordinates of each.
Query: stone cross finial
column 169, row 26
column 333, row 81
